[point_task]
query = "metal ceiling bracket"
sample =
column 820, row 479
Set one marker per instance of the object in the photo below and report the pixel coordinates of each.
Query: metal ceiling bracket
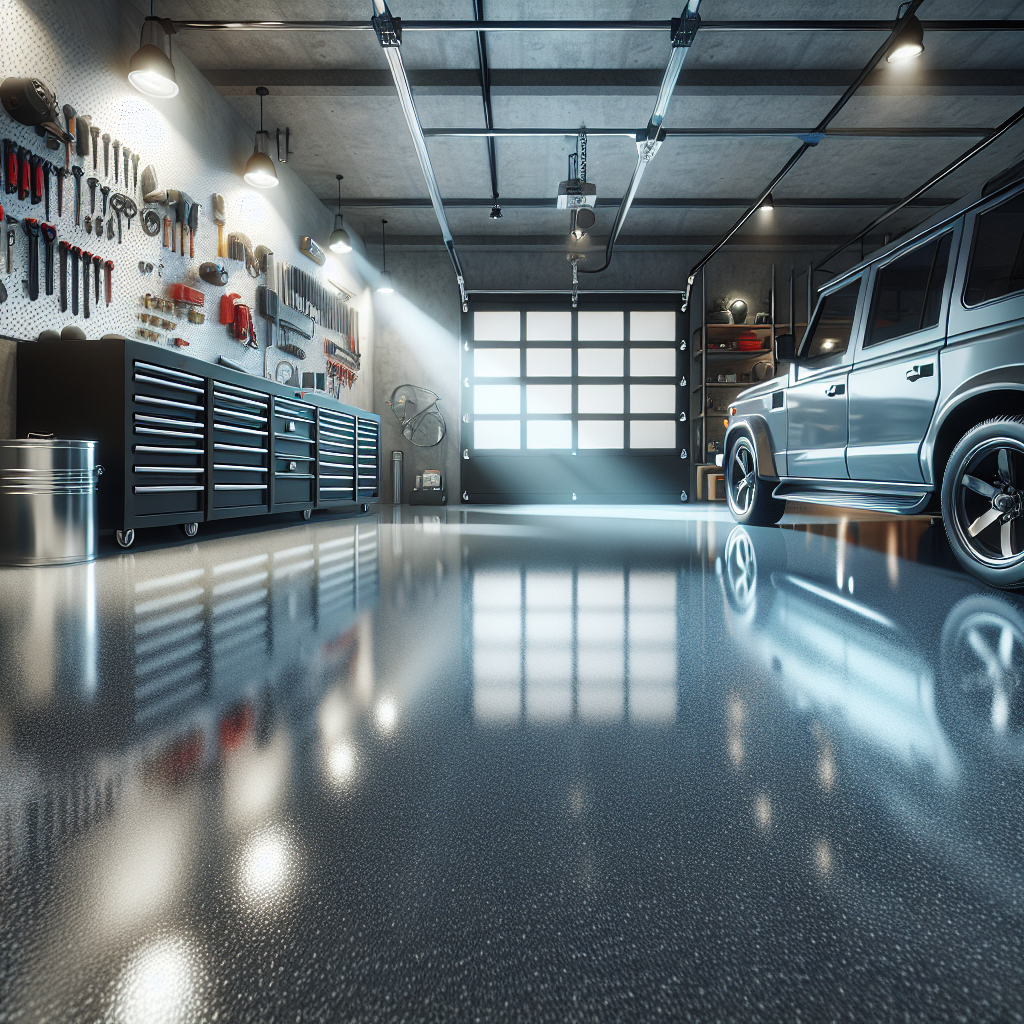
column 811, row 138
column 685, row 28
column 390, row 35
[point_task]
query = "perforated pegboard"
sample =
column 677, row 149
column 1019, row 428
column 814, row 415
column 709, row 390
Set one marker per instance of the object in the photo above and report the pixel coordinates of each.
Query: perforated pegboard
column 195, row 142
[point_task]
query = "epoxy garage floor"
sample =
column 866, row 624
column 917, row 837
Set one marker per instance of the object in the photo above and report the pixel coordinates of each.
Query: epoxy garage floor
column 512, row 765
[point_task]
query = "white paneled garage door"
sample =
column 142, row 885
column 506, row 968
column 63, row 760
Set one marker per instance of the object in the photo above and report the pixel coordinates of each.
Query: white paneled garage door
column 602, row 387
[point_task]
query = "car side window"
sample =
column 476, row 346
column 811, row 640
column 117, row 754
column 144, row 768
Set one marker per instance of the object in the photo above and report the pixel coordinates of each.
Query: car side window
column 829, row 334
column 908, row 292
column 997, row 260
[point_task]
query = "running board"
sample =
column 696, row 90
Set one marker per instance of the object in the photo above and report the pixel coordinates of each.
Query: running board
column 892, row 503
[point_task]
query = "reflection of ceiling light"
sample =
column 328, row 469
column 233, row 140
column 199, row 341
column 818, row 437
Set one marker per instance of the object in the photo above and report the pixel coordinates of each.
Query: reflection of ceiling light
column 387, row 715
column 827, row 344
column 341, row 762
column 158, row 983
column 265, row 866
column 259, row 169
column 150, row 69
column 909, row 43
column 769, row 203
column 763, row 811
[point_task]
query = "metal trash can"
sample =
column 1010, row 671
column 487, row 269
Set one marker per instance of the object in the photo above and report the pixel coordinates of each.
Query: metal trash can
column 47, row 501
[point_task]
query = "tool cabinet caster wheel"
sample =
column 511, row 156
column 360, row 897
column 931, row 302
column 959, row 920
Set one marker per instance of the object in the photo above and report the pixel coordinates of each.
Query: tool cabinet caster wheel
column 126, row 538
column 191, row 529
column 306, row 513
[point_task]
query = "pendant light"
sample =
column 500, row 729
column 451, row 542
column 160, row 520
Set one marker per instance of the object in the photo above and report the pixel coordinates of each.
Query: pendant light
column 259, row 169
column 150, row 70
column 386, row 286
column 909, row 43
column 768, row 204
column 340, row 242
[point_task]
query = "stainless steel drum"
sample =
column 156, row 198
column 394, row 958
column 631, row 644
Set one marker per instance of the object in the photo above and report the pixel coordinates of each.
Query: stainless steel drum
column 47, row 501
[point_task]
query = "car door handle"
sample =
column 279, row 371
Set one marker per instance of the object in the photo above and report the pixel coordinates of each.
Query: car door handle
column 917, row 372
column 835, row 389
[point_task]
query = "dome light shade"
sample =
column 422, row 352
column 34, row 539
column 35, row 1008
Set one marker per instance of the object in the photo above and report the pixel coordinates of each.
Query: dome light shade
column 259, row 168
column 340, row 242
column 150, row 69
column 386, row 285
column 909, row 43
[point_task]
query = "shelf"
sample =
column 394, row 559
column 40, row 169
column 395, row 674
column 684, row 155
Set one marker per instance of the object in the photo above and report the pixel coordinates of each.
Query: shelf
column 739, row 327
column 736, row 353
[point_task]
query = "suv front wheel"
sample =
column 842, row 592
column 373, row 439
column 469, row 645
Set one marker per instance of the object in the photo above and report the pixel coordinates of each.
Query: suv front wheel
column 749, row 495
column 983, row 501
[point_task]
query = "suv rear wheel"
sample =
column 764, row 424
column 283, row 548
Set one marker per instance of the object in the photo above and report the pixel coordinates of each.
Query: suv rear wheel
column 749, row 496
column 983, row 501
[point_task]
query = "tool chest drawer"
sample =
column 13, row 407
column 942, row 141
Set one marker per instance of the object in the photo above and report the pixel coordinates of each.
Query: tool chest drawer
column 368, row 449
column 183, row 441
column 294, row 452
column 336, row 457
column 241, row 447
column 168, row 416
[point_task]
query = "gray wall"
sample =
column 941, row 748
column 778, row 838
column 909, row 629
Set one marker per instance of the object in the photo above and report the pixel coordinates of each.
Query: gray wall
column 417, row 340
column 198, row 143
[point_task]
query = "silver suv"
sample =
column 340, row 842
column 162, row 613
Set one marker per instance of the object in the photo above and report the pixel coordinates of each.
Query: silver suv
column 906, row 393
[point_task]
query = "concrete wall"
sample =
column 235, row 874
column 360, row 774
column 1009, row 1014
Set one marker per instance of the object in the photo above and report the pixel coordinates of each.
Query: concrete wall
column 198, row 143
column 417, row 328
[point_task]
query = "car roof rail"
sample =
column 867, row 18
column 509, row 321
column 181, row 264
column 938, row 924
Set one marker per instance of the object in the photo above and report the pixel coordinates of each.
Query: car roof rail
column 1004, row 178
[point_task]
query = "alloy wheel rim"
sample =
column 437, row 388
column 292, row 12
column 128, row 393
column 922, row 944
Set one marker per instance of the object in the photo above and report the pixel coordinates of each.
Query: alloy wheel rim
column 988, row 502
column 742, row 477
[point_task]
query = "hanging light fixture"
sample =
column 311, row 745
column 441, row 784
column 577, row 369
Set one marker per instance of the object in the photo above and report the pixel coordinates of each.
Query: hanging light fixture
column 386, row 285
column 150, row 70
column 259, row 168
column 340, row 242
column 768, row 204
column 582, row 218
column 909, row 43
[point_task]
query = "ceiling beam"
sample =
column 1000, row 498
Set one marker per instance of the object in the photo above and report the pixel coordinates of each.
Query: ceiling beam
column 548, row 203
column 616, row 81
column 529, row 25
column 715, row 133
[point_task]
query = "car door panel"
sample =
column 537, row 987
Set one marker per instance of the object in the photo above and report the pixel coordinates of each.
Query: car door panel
column 891, row 404
column 818, row 426
column 894, row 383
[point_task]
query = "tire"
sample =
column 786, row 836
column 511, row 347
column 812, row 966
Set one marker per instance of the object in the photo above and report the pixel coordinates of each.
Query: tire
column 983, row 501
column 749, row 495
column 125, row 538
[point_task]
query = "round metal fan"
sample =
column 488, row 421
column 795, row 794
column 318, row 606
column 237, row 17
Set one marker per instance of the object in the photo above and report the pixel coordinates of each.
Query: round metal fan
column 417, row 411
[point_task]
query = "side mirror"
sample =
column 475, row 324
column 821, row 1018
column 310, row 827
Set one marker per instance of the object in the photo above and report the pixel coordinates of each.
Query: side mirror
column 785, row 348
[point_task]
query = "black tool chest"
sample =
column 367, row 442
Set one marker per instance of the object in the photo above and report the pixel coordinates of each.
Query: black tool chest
column 184, row 441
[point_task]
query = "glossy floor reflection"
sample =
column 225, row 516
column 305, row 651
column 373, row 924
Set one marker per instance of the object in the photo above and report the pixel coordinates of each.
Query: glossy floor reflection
column 518, row 765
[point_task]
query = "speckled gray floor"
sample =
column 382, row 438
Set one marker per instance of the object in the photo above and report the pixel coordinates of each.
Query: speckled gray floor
column 508, row 766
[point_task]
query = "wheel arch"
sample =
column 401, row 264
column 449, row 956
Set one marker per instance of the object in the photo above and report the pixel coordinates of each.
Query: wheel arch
column 756, row 428
column 974, row 408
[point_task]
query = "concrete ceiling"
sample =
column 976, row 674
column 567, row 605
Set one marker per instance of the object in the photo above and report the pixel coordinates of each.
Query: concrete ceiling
column 334, row 91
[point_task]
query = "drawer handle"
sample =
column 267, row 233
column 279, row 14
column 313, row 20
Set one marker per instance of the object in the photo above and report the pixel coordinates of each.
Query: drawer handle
column 291, row 426
column 293, row 466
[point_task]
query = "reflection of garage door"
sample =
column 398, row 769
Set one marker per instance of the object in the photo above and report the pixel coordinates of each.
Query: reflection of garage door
column 560, row 403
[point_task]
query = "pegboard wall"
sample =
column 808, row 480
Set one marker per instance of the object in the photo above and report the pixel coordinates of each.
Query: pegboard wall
column 197, row 144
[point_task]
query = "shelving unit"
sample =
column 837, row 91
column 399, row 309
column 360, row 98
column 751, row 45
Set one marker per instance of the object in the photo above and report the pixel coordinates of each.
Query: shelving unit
column 711, row 398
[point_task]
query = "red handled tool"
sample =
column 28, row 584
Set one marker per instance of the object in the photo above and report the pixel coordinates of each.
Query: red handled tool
column 24, row 173
column 108, row 268
column 31, row 226
column 36, row 170
column 227, row 307
column 76, row 255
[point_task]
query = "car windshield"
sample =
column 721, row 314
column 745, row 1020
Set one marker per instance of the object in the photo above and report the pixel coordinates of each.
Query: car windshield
column 829, row 335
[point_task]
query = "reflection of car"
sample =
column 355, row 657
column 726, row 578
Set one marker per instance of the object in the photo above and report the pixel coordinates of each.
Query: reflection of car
column 928, row 719
column 906, row 392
